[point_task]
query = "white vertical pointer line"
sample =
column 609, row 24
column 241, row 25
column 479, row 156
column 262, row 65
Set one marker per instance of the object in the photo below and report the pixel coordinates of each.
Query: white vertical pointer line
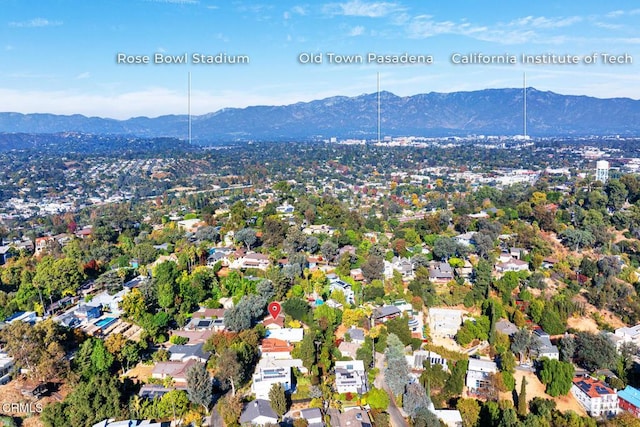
column 189, row 105
column 524, row 88
column 378, row 107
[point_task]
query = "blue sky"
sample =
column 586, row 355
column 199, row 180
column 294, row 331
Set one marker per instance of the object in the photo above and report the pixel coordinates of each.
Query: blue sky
column 59, row 56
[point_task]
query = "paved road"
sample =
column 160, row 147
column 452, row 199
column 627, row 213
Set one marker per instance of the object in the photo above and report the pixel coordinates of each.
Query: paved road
column 396, row 418
column 215, row 420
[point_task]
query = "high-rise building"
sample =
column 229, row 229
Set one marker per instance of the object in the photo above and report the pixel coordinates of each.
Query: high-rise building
column 602, row 171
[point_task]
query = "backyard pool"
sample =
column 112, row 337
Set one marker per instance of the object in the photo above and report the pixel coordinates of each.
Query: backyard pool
column 103, row 323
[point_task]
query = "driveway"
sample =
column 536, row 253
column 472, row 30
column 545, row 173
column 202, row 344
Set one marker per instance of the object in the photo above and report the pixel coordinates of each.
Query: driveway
column 396, row 418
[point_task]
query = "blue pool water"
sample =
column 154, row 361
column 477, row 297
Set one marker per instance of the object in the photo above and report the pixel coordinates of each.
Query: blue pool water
column 103, row 323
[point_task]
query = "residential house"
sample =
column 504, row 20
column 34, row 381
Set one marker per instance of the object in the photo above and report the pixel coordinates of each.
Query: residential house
column 404, row 266
column 356, row 335
column 43, row 244
column 176, row 370
column 87, row 312
column 190, row 225
column 545, row 348
column 319, row 229
column 518, row 253
column 627, row 334
column 255, row 260
column 506, row 327
column 206, row 319
column 270, row 371
column 335, row 284
column 512, row 265
column 6, row 366
column 5, row 254
column 22, row 316
column 349, row 349
column 285, row 208
column 290, row 335
column 450, row 417
column 629, row 400
column 279, row 349
column 84, row 232
column 348, row 249
column 350, row 418
column 218, row 257
column 182, row 353
column 313, row 416
column 110, row 303
column 465, row 239
column 445, row 322
column 194, row 337
column 440, row 272
column 595, row 396
column 549, row 262
column 258, row 413
column 153, row 391
column 351, row 377
column 419, row 358
column 466, row 270
column 387, row 312
column 478, row 374
column 356, row 274
column 270, row 322
column 504, row 257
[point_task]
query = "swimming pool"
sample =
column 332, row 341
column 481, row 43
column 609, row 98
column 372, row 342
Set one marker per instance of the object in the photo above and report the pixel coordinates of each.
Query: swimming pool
column 103, row 323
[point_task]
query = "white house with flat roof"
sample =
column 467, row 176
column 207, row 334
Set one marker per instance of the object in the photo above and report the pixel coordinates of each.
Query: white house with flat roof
column 351, row 377
column 478, row 374
column 445, row 322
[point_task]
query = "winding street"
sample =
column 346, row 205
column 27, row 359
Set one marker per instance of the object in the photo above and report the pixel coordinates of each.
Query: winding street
column 396, row 418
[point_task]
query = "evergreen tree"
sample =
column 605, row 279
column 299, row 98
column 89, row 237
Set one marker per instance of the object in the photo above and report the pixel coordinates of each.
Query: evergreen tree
column 397, row 372
column 277, row 399
column 522, row 398
column 199, row 386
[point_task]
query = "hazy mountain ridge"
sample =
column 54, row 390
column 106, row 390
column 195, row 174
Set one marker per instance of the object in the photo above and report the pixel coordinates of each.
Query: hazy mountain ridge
column 489, row 111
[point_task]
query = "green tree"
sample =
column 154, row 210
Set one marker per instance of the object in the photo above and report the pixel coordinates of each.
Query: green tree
column 469, row 411
column 595, row 351
column 522, row 398
column 199, row 385
column 557, row 376
column 229, row 369
column 400, row 327
column 378, row 399
column 396, row 373
column 278, row 399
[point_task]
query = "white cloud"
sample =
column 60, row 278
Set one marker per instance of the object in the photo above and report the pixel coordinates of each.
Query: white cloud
column 543, row 22
column 618, row 13
column 83, row 76
column 286, row 15
column 357, row 31
column 300, row 10
column 615, row 13
column 35, row 23
column 523, row 30
column 8, row 47
column 222, row 37
column 360, row 8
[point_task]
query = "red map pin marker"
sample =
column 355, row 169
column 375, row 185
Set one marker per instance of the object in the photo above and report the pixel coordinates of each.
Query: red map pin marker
column 274, row 309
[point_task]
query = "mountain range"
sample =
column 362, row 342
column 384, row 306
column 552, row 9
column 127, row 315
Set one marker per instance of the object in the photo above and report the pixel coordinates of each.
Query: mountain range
column 487, row 112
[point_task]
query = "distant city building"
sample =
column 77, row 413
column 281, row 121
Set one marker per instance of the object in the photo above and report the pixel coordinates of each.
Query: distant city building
column 602, row 171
